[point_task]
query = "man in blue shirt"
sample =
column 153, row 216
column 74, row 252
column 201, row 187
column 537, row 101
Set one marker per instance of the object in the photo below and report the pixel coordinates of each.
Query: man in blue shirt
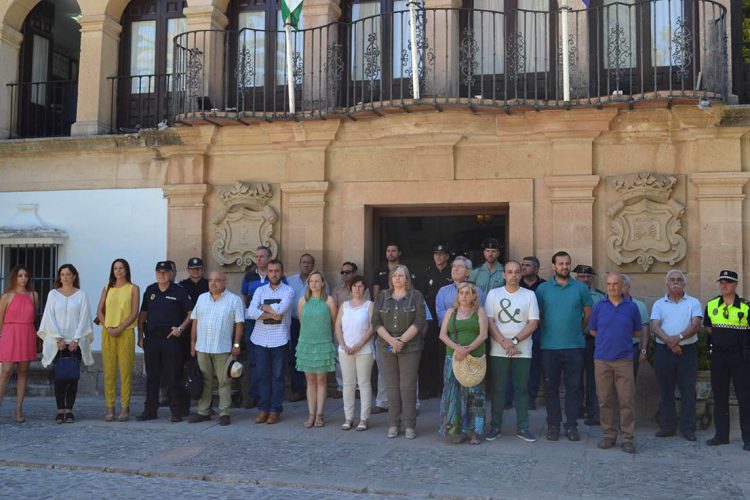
column 614, row 322
column 565, row 306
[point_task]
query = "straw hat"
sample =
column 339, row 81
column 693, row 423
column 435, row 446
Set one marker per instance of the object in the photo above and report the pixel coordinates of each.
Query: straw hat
column 234, row 368
column 470, row 371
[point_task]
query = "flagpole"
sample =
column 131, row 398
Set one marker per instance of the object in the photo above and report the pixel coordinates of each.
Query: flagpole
column 289, row 66
column 565, row 55
column 414, row 48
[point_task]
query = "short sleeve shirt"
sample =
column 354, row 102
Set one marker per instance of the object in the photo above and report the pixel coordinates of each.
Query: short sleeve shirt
column 511, row 313
column 614, row 326
column 562, row 313
column 675, row 317
column 165, row 309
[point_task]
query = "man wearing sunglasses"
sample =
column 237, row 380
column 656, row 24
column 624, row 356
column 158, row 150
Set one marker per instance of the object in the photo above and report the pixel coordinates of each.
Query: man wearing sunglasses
column 726, row 319
column 675, row 321
column 342, row 293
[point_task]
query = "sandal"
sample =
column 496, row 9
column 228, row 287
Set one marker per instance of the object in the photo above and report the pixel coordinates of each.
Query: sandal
column 110, row 415
column 124, row 415
column 362, row 426
column 392, row 432
column 474, row 438
column 319, row 421
column 346, row 425
column 20, row 418
column 60, row 418
column 309, row 422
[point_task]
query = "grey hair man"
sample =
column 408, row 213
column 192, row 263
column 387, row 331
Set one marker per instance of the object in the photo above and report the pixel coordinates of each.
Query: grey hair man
column 446, row 296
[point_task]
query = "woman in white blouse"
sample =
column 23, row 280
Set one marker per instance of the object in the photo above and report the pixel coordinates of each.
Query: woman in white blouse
column 354, row 334
column 66, row 331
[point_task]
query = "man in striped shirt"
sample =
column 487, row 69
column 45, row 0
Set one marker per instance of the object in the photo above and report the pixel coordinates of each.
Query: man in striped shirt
column 217, row 316
column 271, row 307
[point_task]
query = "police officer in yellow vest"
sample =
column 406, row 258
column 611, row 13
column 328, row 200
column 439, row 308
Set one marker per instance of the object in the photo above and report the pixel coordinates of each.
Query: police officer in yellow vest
column 726, row 319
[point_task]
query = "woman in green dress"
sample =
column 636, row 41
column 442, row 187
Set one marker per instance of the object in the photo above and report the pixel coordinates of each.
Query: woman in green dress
column 316, row 355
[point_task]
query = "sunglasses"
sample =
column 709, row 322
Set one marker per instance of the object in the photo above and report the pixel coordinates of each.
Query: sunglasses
column 343, row 273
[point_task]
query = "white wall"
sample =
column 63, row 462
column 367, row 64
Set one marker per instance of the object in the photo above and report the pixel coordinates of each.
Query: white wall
column 102, row 225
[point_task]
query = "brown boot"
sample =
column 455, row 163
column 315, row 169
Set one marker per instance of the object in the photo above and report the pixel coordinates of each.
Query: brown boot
column 273, row 418
column 261, row 418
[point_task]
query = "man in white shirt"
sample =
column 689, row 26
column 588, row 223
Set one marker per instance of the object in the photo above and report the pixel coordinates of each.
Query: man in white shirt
column 217, row 315
column 514, row 315
column 271, row 307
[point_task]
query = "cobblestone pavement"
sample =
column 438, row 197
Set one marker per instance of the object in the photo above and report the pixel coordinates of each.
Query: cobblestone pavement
column 286, row 461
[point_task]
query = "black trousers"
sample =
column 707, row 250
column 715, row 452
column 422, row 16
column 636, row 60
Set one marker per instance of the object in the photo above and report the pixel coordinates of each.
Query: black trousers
column 66, row 392
column 432, row 362
column 164, row 358
column 726, row 366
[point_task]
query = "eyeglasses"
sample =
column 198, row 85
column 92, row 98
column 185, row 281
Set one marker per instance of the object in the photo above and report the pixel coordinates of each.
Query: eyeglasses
column 346, row 272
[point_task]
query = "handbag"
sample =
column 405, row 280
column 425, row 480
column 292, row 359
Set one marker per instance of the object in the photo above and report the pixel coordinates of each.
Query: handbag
column 67, row 369
column 192, row 379
column 471, row 371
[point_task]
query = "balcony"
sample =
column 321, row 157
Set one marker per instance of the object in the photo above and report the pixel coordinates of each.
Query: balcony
column 42, row 109
column 619, row 53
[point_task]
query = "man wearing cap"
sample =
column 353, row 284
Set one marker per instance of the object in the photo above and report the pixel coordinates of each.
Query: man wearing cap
column 675, row 321
column 585, row 274
column 218, row 321
column 165, row 313
column 726, row 319
column 195, row 284
column 490, row 274
column 433, row 357
column 271, row 310
column 565, row 306
column 615, row 321
column 299, row 283
column 531, row 281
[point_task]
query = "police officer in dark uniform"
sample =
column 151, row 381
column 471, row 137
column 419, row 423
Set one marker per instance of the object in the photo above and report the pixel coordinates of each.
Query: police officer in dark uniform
column 726, row 319
column 433, row 356
column 196, row 284
column 164, row 317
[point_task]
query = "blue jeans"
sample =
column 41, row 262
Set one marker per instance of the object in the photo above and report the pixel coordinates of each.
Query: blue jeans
column 298, row 378
column 567, row 363
column 253, row 390
column 680, row 371
column 270, row 363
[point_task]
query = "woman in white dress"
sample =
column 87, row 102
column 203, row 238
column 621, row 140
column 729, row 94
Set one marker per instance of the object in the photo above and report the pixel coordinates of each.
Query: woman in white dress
column 66, row 331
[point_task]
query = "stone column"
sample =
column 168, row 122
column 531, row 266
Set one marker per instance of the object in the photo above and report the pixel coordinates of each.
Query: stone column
column 444, row 38
column 720, row 199
column 208, row 24
column 10, row 45
column 100, row 41
column 323, row 54
column 572, row 214
column 303, row 221
column 185, row 221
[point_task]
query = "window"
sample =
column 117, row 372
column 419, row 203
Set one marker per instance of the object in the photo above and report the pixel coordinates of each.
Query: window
column 40, row 259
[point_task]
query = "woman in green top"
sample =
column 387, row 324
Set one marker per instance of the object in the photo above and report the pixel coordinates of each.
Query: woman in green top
column 316, row 355
column 463, row 331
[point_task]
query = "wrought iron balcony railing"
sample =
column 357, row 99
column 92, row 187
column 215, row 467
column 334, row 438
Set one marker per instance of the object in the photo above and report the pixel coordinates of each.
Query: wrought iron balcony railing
column 141, row 101
column 42, row 109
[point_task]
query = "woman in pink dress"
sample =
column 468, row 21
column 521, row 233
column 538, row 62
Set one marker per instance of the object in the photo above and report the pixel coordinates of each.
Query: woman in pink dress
column 17, row 333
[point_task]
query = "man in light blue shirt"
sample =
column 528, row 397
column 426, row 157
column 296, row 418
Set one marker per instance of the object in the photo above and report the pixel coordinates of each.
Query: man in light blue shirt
column 216, row 316
column 270, row 307
column 446, row 296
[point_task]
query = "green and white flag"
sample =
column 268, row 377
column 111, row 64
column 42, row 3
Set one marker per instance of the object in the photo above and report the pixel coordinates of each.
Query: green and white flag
column 290, row 11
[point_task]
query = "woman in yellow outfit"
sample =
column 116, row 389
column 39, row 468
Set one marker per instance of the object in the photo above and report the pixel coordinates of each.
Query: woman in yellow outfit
column 117, row 313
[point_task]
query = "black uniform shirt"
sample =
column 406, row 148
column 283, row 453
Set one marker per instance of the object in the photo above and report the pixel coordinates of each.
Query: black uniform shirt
column 165, row 309
column 194, row 289
column 432, row 281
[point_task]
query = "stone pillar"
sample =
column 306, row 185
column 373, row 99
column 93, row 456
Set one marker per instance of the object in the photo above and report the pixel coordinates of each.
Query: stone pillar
column 100, row 41
column 303, row 221
column 445, row 40
column 10, row 45
column 185, row 221
column 720, row 199
column 572, row 214
column 323, row 54
column 208, row 24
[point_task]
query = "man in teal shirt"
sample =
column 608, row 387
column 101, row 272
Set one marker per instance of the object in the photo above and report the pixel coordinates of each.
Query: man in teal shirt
column 565, row 306
column 490, row 274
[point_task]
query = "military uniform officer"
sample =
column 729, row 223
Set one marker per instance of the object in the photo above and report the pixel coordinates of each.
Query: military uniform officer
column 164, row 317
column 431, row 365
column 726, row 318
column 585, row 274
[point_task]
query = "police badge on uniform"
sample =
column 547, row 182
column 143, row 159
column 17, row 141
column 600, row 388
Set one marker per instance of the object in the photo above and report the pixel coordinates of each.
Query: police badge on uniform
column 153, row 296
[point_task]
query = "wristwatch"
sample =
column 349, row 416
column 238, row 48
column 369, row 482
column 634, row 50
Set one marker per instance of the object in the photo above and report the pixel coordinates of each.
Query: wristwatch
column 514, row 340
column 643, row 351
column 237, row 346
column 682, row 337
column 179, row 329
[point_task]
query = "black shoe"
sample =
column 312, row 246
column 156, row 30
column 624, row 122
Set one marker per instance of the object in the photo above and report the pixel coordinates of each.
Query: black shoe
column 591, row 421
column 508, row 405
column 197, row 417
column 70, row 418
column 663, row 433
column 746, row 447
column 337, row 395
column 572, row 434
column 690, row 436
column 224, row 420
column 297, row 396
column 59, row 418
column 250, row 403
column 532, row 405
column 715, row 441
column 164, row 402
column 176, row 418
column 553, row 433
column 146, row 416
